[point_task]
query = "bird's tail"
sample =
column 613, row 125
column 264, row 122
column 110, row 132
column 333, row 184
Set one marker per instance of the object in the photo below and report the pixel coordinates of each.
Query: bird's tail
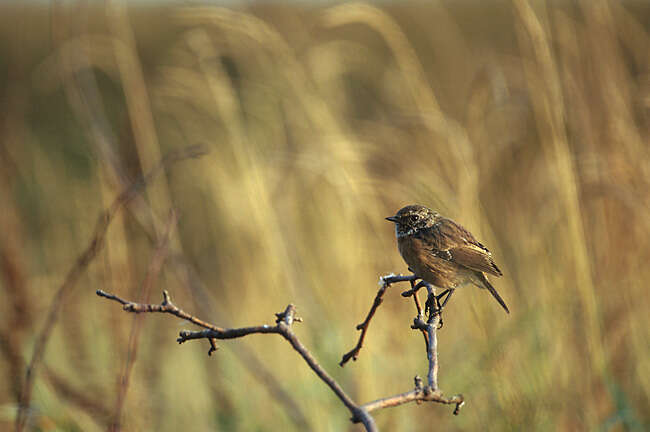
column 494, row 292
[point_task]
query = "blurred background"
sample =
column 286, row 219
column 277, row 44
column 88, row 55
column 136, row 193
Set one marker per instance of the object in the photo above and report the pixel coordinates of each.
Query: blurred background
column 525, row 121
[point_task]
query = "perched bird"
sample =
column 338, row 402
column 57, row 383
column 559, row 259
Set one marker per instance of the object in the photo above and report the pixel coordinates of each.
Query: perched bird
column 443, row 253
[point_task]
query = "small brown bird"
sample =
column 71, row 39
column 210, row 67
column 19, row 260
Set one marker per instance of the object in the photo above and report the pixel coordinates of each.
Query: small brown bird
column 443, row 253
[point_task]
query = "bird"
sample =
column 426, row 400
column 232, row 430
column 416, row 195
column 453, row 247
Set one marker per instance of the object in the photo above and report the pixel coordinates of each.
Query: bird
column 443, row 253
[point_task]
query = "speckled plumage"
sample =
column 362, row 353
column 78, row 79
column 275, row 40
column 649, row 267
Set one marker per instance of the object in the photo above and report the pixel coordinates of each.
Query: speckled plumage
column 442, row 252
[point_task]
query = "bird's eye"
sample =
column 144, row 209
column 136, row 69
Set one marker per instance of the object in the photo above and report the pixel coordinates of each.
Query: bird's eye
column 415, row 218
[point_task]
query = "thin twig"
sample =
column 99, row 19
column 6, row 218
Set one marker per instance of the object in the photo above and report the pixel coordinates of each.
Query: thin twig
column 384, row 283
column 185, row 274
column 413, row 292
column 282, row 327
column 91, row 251
column 417, row 395
column 431, row 328
column 165, row 307
column 155, row 266
column 431, row 392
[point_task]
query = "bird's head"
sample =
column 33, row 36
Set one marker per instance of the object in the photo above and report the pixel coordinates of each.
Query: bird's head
column 413, row 218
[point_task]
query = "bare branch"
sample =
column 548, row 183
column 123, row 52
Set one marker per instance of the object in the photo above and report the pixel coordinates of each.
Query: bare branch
column 430, row 328
column 91, row 251
column 165, row 307
column 186, row 335
column 431, row 392
column 384, row 283
column 413, row 292
column 417, row 395
column 283, row 326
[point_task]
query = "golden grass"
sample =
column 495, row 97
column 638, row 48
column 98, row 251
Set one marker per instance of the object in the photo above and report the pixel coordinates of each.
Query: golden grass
column 526, row 122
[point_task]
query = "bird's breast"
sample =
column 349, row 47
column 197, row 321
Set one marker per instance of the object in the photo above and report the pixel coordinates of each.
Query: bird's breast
column 435, row 270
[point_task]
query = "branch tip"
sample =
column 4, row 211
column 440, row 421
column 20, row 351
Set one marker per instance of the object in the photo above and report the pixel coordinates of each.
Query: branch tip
column 418, row 383
column 384, row 283
column 459, row 405
column 288, row 316
column 213, row 346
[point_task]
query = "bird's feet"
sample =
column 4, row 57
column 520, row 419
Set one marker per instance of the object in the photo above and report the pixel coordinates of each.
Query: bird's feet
column 436, row 303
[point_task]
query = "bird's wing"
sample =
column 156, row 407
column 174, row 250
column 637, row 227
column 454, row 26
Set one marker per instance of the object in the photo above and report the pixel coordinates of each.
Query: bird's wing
column 474, row 258
column 452, row 242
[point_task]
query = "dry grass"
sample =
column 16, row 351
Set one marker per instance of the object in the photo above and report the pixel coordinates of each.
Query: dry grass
column 529, row 123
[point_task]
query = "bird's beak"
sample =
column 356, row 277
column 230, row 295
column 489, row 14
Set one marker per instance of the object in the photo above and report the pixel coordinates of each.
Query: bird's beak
column 392, row 219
